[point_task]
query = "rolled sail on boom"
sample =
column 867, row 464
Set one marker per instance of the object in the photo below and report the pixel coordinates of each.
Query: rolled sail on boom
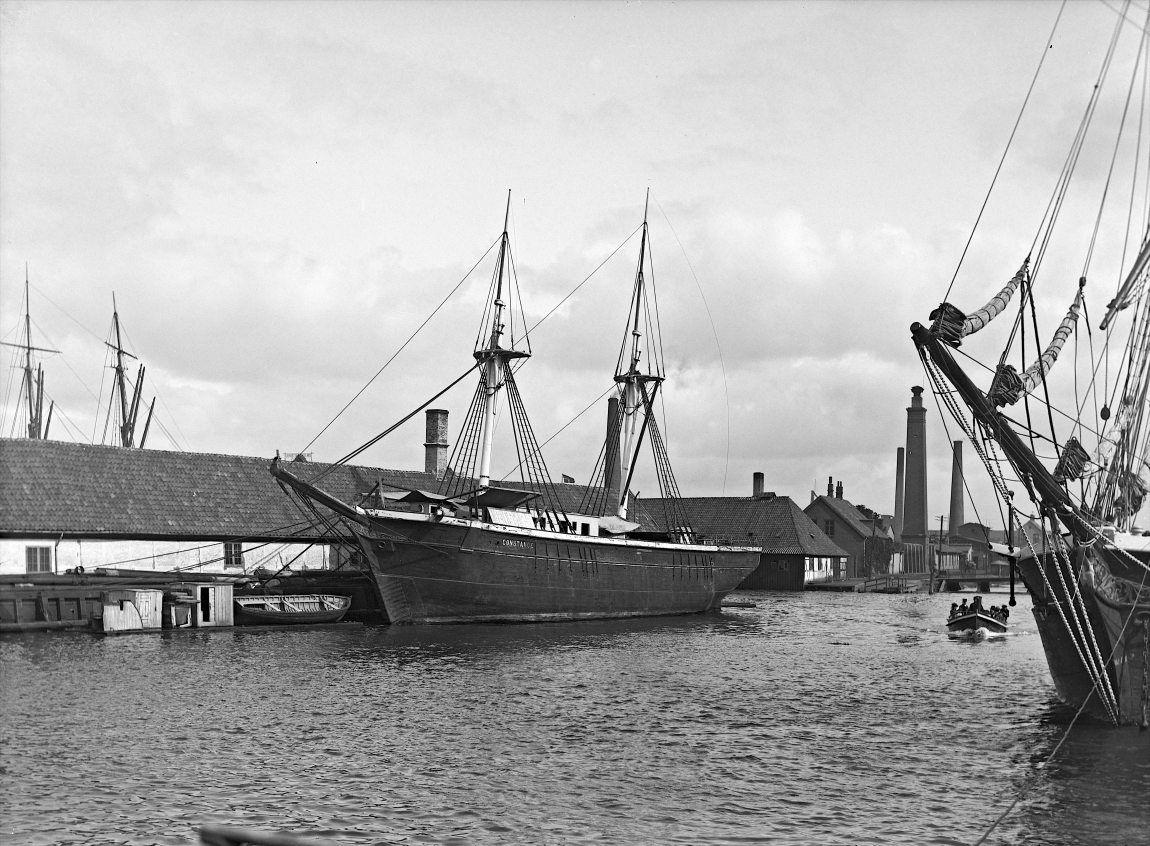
column 997, row 303
column 951, row 325
column 1008, row 387
column 1134, row 280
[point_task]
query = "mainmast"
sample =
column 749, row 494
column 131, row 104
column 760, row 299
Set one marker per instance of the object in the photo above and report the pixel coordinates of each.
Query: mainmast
column 493, row 358
column 633, row 382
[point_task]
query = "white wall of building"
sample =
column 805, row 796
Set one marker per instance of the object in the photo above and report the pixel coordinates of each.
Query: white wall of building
column 818, row 569
column 187, row 556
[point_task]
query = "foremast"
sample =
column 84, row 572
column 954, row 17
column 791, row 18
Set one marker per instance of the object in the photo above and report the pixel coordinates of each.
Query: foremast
column 493, row 358
column 503, row 337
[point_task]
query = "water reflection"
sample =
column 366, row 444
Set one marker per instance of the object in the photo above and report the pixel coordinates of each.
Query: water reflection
column 808, row 719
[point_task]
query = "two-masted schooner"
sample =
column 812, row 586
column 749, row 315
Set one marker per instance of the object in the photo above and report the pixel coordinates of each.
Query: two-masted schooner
column 1069, row 461
column 476, row 551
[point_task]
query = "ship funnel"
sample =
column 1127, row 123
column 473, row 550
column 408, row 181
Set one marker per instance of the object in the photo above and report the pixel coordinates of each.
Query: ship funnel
column 435, row 445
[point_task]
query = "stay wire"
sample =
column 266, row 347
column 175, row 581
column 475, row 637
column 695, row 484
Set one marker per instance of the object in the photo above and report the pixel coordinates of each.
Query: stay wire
column 586, row 279
column 403, row 346
column 559, row 431
column 393, row 426
column 714, row 334
column 1045, row 49
column 163, row 404
column 1114, row 155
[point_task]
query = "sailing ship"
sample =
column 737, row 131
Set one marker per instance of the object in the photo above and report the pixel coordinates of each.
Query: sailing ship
column 1071, row 480
column 477, row 551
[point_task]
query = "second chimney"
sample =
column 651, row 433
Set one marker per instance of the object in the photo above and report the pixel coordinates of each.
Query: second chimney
column 435, row 446
column 956, row 485
column 757, row 485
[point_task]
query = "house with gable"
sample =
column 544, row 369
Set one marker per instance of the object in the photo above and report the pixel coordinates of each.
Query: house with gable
column 865, row 535
column 794, row 550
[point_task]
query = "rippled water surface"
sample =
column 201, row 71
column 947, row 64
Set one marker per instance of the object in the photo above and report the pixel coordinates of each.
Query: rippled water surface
column 811, row 718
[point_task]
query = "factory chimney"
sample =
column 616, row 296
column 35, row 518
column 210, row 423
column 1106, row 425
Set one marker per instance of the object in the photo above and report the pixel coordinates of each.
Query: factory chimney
column 435, row 445
column 956, row 486
column 898, row 480
column 914, row 495
column 757, row 485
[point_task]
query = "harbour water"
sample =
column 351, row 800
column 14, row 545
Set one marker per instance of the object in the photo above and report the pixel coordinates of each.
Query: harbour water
column 810, row 719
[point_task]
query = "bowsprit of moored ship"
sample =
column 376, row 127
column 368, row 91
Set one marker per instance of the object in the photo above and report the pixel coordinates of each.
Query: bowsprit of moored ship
column 1066, row 447
column 475, row 551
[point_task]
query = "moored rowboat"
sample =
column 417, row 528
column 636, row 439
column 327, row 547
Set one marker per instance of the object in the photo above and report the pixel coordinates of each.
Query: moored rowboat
column 271, row 609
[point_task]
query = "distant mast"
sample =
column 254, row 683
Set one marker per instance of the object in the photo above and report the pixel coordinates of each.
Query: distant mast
column 32, row 387
column 129, row 409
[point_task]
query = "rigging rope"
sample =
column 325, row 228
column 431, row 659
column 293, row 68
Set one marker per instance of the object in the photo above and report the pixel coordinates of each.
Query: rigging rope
column 403, row 346
column 715, row 335
column 1045, row 49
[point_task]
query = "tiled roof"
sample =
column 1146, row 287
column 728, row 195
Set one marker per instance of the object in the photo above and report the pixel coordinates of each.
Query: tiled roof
column 53, row 487
column 776, row 524
column 979, row 533
column 854, row 519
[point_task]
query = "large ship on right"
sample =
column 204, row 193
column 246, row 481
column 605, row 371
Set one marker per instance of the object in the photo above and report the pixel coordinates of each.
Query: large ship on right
column 1065, row 442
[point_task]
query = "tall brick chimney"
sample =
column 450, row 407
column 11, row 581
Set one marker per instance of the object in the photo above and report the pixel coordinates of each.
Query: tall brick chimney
column 914, row 496
column 435, row 446
column 757, row 485
column 956, row 487
column 899, row 460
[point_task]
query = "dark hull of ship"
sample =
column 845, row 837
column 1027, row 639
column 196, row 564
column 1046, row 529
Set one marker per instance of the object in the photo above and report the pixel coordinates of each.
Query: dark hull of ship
column 1118, row 612
column 446, row 573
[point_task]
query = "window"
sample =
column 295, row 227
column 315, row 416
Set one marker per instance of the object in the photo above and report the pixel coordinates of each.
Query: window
column 233, row 554
column 829, row 528
column 37, row 559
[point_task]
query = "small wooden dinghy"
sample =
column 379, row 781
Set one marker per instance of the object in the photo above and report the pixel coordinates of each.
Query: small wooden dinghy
column 273, row 609
column 976, row 624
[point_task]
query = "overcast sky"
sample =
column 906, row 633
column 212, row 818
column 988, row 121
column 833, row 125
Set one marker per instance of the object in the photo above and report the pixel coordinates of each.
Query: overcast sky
column 278, row 193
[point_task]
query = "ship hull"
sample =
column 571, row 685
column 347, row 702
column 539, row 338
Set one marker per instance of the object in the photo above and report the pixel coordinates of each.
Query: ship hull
column 430, row 572
column 1117, row 610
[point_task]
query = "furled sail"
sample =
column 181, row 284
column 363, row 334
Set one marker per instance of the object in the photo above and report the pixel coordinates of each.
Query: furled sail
column 1008, row 386
column 997, row 303
column 1132, row 284
column 951, row 325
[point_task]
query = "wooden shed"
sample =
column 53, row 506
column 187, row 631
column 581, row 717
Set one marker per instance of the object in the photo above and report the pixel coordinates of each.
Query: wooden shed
column 132, row 610
column 213, row 607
